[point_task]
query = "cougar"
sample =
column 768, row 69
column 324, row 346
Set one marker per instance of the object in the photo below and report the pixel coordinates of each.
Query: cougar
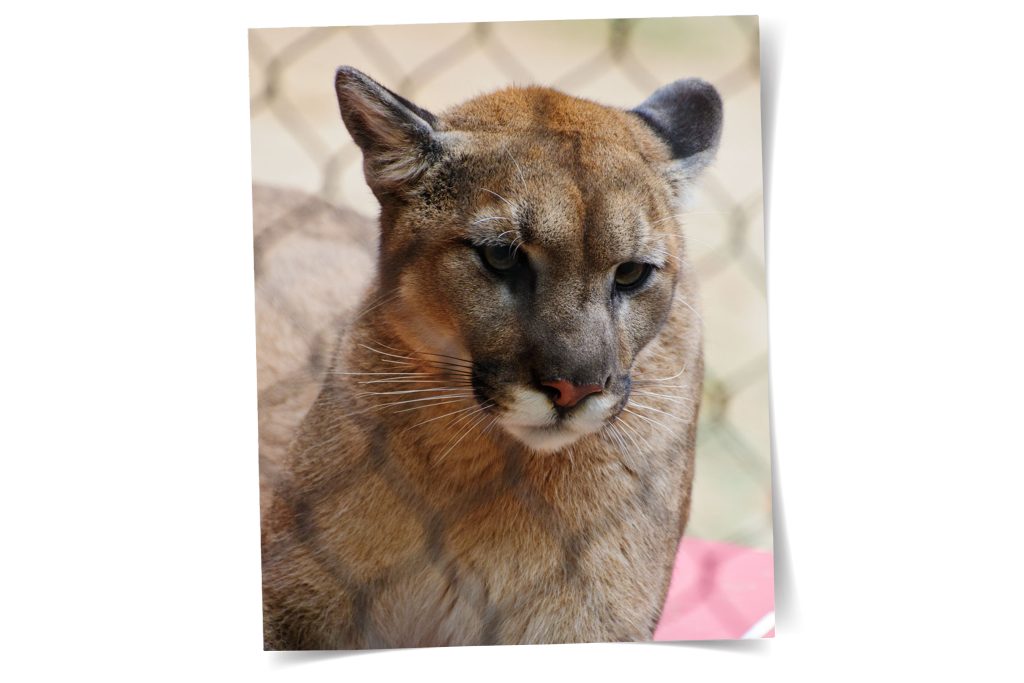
column 500, row 447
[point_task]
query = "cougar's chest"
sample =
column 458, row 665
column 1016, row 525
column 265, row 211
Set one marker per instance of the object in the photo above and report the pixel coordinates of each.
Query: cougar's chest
column 506, row 563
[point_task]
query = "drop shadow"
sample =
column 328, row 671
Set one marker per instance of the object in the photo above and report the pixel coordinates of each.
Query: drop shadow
column 771, row 62
column 281, row 659
column 754, row 646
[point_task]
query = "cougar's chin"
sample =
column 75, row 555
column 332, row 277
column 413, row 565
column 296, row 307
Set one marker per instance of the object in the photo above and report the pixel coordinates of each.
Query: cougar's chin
column 544, row 439
column 530, row 418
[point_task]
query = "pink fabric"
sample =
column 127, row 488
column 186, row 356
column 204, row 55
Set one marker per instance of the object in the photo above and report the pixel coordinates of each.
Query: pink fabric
column 718, row 592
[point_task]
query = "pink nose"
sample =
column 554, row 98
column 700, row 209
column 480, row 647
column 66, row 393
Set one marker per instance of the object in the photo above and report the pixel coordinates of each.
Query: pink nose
column 567, row 394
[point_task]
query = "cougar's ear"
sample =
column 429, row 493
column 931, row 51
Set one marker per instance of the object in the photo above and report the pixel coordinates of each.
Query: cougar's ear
column 396, row 136
column 687, row 115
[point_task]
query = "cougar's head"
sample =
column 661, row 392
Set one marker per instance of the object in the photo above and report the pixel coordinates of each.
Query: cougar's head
column 534, row 235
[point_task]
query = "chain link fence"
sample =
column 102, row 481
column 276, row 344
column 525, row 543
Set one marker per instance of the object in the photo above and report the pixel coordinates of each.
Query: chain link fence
column 299, row 142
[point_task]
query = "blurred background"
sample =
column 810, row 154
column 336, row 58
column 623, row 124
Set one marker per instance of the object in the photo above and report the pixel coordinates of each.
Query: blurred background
column 299, row 142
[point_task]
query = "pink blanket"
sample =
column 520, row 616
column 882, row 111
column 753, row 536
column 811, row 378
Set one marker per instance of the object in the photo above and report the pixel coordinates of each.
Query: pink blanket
column 719, row 592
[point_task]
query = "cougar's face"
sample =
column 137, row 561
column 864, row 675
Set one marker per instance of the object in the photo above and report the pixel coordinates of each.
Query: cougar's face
column 531, row 237
column 549, row 275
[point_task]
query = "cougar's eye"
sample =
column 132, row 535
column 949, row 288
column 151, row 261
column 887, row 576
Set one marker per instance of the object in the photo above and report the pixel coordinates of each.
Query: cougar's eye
column 498, row 257
column 631, row 275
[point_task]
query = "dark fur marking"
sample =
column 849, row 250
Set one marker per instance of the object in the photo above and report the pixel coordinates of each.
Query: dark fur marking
column 573, row 546
column 686, row 114
column 362, row 601
column 435, row 529
column 493, row 619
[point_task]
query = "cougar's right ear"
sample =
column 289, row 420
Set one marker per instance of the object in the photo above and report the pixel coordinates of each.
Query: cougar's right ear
column 397, row 137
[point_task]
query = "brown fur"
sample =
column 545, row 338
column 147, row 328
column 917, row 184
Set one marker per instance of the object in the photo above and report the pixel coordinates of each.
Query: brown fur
column 399, row 525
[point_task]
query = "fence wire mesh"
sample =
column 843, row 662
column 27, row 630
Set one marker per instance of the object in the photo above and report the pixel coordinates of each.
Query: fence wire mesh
column 299, row 142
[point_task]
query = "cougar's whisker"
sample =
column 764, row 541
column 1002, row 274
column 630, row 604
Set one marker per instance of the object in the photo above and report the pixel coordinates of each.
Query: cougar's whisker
column 647, row 407
column 405, row 381
column 519, row 169
column 421, row 399
column 429, row 353
column 684, row 302
column 492, row 423
column 404, row 374
column 416, row 351
column 464, row 433
column 665, row 379
column 664, row 396
column 619, row 441
column 454, row 412
column 443, row 364
column 483, row 432
column 426, row 398
column 628, row 429
column 408, row 391
column 515, row 247
column 485, row 219
column 380, row 301
column 429, row 405
column 384, row 353
column 463, row 417
column 507, row 202
column 626, row 435
column 652, row 421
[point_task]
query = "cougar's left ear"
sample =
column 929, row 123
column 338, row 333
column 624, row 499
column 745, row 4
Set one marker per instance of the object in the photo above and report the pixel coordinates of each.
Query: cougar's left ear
column 397, row 137
column 687, row 115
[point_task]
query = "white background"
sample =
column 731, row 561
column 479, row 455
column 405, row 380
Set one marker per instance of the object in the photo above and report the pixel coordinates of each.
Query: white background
column 128, row 494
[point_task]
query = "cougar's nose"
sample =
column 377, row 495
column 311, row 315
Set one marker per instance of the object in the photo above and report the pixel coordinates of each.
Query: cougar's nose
column 565, row 394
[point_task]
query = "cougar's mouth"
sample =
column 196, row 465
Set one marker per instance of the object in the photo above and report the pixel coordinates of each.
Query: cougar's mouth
column 530, row 417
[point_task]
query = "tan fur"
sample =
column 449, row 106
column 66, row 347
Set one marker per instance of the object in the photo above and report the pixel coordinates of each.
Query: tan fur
column 425, row 527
